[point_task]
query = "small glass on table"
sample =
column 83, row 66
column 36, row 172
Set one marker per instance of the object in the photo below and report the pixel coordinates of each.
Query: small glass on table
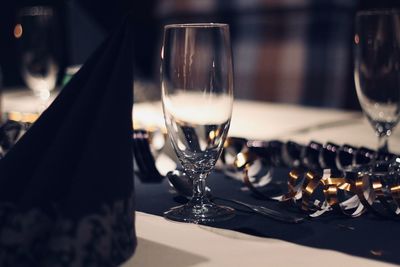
column 197, row 98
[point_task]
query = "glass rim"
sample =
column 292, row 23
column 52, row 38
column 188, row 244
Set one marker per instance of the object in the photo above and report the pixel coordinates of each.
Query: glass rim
column 196, row 25
column 378, row 11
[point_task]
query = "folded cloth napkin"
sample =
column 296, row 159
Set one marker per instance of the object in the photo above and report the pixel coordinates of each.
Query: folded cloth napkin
column 66, row 187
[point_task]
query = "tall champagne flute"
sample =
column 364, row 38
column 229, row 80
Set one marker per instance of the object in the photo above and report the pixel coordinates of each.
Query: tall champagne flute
column 197, row 97
column 38, row 36
column 377, row 70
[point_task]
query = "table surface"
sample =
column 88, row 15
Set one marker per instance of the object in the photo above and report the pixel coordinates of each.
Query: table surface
column 190, row 245
column 268, row 121
column 166, row 243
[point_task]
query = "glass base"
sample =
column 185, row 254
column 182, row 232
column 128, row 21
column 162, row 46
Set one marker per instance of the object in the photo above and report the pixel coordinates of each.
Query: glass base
column 204, row 212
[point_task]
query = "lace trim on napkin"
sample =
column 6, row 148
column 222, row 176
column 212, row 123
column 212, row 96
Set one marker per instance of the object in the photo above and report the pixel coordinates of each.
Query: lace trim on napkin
column 34, row 238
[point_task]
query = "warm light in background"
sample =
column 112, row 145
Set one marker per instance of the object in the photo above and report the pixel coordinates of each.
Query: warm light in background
column 212, row 135
column 356, row 39
column 18, row 31
column 22, row 117
column 240, row 160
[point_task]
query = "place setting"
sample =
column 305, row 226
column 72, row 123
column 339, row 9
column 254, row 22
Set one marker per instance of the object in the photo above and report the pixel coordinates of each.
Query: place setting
column 316, row 194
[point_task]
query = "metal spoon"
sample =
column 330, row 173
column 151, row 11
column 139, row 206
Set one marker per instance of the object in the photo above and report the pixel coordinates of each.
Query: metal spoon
column 183, row 185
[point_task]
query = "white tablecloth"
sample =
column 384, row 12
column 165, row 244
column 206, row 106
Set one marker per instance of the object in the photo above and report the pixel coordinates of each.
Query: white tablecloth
column 266, row 121
column 170, row 244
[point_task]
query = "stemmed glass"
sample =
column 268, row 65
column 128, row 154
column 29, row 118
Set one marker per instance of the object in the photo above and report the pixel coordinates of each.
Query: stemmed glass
column 197, row 97
column 377, row 70
column 38, row 37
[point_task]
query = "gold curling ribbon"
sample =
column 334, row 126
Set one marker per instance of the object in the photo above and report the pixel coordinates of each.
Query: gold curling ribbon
column 332, row 187
column 395, row 192
column 294, row 185
column 366, row 192
column 311, row 183
column 303, row 186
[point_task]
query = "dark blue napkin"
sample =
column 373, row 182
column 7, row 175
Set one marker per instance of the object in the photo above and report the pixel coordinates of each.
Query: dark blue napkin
column 66, row 188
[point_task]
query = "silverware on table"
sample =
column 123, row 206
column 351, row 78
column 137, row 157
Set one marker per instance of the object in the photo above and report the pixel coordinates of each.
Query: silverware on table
column 183, row 185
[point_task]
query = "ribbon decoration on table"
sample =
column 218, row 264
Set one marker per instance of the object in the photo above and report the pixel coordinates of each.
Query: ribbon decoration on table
column 350, row 192
column 314, row 190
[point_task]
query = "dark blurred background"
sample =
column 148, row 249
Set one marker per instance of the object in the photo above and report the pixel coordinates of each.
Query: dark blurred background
column 291, row 51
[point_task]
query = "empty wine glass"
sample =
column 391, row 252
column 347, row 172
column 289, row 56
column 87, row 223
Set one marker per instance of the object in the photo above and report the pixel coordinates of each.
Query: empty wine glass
column 377, row 70
column 38, row 37
column 197, row 97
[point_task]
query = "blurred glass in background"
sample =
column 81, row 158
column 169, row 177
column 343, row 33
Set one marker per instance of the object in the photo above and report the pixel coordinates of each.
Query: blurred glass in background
column 37, row 32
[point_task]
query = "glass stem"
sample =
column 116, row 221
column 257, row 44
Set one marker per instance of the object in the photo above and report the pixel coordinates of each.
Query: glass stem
column 383, row 143
column 199, row 187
